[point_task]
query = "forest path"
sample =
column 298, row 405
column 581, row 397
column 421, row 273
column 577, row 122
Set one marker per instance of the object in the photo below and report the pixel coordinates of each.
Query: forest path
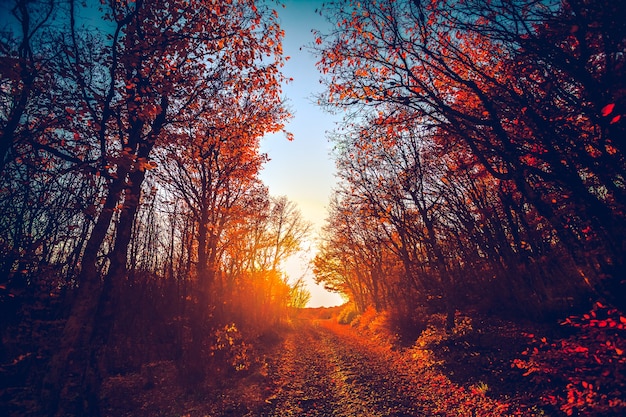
column 320, row 372
column 311, row 368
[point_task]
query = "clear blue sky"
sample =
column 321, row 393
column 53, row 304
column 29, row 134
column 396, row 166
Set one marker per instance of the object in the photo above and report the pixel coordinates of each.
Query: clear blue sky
column 302, row 170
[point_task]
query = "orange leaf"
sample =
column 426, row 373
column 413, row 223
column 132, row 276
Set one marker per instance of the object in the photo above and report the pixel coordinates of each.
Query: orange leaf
column 606, row 110
column 619, row 351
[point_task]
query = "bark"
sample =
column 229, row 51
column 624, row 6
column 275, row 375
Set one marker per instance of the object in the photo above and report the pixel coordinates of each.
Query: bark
column 66, row 391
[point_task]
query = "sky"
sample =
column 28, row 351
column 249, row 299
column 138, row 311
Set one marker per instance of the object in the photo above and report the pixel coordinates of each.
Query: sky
column 302, row 169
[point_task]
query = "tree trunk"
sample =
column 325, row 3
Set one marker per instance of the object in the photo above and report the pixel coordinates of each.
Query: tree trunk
column 194, row 362
column 117, row 272
column 66, row 391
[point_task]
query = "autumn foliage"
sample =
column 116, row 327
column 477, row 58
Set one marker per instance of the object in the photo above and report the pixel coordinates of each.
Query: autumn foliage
column 584, row 371
column 481, row 159
column 133, row 217
column 481, row 169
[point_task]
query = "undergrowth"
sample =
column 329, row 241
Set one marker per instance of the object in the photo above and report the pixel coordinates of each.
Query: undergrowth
column 577, row 369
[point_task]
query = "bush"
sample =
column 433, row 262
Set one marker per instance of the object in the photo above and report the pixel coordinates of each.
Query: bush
column 364, row 320
column 587, row 368
column 407, row 324
column 347, row 315
column 231, row 349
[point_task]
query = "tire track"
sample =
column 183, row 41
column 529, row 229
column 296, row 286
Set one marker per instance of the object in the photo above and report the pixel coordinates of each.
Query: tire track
column 321, row 374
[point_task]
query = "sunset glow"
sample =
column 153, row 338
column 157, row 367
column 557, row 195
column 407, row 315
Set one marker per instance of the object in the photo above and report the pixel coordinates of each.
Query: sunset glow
column 312, row 208
column 303, row 169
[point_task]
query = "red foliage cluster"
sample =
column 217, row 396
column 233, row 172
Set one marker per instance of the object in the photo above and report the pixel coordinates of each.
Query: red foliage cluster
column 586, row 370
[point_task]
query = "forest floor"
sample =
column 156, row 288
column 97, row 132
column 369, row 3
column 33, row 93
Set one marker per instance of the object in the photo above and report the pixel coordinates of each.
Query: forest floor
column 314, row 366
column 326, row 369
column 321, row 368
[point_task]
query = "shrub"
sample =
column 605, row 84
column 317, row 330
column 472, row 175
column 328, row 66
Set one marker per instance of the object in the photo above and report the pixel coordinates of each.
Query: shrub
column 364, row 320
column 231, row 348
column 347, row 315
column 588, row 367
column 407, row 324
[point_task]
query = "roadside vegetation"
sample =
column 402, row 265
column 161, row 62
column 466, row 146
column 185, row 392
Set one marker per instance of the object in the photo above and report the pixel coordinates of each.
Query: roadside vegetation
column 480, row 203
column 477, row 228
column 575, row 367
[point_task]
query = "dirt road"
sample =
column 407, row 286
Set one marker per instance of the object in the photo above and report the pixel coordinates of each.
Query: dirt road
column 323, row 371
column 322, row 374
column 315, row 368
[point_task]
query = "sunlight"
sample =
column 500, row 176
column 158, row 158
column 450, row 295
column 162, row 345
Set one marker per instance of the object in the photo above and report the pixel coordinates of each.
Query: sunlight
column 297, row 266
column 453, row 169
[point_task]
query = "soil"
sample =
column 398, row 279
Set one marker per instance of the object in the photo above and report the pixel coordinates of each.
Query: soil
column 313, row 368
column 323, row 373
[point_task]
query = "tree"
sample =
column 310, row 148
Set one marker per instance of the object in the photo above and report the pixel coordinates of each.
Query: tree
column 353, row 255
column 259, row 245
column 25, row 54
column 453, row 66
column 133, row 92
column 212, row 167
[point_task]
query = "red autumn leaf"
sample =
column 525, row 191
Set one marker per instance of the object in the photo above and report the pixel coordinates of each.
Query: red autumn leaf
column 608, row 109
column 616, row 119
